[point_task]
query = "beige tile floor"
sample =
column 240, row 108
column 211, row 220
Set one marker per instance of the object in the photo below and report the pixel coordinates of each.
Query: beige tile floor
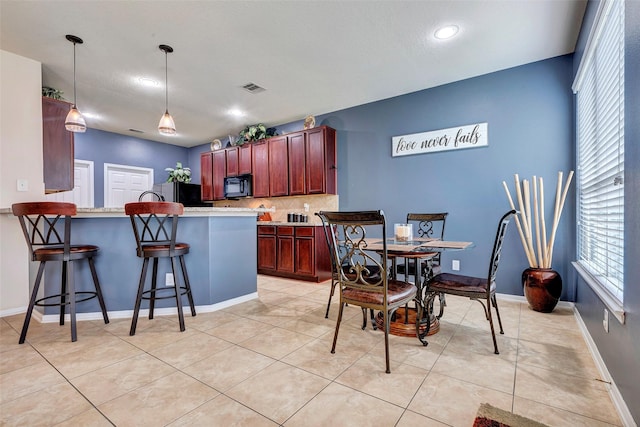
column 266, row 362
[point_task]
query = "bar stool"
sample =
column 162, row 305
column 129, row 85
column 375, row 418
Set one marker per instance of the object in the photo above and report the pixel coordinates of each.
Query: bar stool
column 155, row 225
column 48, row 239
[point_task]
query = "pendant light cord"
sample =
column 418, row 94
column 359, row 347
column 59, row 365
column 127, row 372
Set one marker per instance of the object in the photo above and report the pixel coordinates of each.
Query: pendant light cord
column 166, row 82
column 74, row 74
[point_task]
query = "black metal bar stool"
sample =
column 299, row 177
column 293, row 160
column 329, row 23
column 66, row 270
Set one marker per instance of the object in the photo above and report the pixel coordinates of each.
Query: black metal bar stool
column 49, row 239
column 155, row 225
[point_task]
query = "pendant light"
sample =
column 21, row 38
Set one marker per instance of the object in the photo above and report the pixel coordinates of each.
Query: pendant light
column 166, row 125
column 74, row 121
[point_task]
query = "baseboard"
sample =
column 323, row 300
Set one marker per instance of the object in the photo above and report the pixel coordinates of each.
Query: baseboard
column 127, row 314
column 614, row 393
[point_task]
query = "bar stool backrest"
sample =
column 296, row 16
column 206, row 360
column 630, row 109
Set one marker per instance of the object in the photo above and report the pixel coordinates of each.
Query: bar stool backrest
column 42, row 225
column 154, row 223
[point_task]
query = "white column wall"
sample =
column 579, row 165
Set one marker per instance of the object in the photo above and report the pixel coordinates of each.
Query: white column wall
column 20, row 158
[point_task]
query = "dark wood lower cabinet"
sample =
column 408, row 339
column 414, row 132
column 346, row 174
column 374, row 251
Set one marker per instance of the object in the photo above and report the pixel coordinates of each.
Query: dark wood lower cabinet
column 298, row 252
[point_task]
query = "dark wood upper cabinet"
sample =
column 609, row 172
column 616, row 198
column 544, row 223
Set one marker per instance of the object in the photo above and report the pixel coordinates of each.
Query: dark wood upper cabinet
column 57, row 147
column 321, row 172
column 278, row 167
column 292, row 164
column 244, row 159
column 206, row 176
column 260, row 168
column 219, row 172
column 296, row 164
column 232, row 161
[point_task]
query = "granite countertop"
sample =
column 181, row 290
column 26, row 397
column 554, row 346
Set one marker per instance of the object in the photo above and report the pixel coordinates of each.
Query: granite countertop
column 292, row 224
column 192, row 211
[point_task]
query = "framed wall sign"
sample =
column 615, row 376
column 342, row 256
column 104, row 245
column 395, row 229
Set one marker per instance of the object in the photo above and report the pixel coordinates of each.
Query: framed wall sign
column 469, row 136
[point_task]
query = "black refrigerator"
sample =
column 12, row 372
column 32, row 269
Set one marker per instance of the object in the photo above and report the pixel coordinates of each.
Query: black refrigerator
column 187, row 194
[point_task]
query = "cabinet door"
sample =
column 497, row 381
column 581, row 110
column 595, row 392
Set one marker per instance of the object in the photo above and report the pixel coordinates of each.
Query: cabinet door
column 305, row 248
column 57, row 147
column 266, row 252
column 260, row 167
column 321, row 171
column 278, row 167
column 206, row 176
column 219, row 172
column 232, row 161
column 244, row 159
column 285, row 257
column 296, row 164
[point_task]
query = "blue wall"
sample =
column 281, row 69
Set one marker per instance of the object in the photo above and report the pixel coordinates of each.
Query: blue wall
column 529, row 110
column 620, row 347
column 106, row 147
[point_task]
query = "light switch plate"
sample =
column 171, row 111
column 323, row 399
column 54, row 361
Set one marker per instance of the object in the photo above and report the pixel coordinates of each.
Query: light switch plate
column 23, row 185
column 455, row 265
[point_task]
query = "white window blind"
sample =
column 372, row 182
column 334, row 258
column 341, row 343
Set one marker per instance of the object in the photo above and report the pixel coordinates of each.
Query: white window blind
column 599, row 88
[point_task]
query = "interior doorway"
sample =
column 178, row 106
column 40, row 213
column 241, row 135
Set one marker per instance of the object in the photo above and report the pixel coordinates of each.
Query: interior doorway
column 83, row 186
column 124, row 184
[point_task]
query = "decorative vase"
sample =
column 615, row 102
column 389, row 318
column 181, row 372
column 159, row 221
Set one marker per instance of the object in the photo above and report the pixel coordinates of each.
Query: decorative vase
column 542, row 288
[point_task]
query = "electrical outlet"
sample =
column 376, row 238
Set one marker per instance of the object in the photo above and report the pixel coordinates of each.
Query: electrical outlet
column 306, row 207
column 455, row 265
column 168, row 281
column 605, row 320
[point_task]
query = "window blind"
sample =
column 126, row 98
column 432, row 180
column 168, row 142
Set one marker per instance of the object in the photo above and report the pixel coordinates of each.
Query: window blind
column 599, row 89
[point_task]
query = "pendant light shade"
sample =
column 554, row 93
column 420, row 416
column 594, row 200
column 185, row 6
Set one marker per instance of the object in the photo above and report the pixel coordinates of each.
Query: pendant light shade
column 74, row 121
column 166, row 126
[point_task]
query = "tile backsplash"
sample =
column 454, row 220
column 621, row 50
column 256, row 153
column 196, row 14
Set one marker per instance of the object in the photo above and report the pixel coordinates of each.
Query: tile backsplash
column 291, row 204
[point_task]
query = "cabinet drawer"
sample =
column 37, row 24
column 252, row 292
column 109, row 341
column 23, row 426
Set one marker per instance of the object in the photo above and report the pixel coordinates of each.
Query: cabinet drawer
column 267, row 229
column 304, row 231
column 285, row 230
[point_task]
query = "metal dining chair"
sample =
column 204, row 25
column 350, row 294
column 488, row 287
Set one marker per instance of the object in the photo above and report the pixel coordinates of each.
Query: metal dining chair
column 359, row 284
column 479, row 289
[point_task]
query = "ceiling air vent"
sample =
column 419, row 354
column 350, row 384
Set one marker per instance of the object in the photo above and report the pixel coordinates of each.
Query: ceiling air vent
column 136, row 130
column 253, row 88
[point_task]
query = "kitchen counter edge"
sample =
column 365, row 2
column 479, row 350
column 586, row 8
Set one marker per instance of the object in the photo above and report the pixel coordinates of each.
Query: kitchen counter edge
column 188, row 212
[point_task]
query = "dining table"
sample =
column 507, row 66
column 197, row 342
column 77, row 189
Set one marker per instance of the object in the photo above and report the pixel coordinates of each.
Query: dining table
column 418, row 249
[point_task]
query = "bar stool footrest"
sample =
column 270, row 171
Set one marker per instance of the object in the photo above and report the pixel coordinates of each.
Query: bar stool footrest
column 91, row 294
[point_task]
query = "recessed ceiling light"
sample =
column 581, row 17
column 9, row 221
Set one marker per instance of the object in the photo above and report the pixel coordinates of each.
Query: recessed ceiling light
column 235, row 112
column 145, row 81
column 446, row 32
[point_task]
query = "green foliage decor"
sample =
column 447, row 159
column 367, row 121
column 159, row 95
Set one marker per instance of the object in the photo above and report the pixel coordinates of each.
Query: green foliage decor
column 179, row 174
column 255, row 133
column 50, row 92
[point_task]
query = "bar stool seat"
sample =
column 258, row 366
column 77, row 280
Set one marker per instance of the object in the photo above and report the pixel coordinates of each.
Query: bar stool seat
column 155, row 225
column 48, row 238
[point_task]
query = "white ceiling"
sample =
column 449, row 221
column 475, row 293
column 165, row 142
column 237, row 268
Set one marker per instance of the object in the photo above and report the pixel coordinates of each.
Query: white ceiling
column 312, row 57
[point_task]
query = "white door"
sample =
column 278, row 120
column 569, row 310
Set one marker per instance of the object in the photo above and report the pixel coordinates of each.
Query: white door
column 124, row 184
column 83, row 190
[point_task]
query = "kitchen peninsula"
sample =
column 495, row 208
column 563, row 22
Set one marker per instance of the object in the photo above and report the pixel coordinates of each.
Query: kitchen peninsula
column 221, row 263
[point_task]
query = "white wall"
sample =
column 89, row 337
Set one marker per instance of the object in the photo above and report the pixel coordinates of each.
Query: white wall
column 20, row 158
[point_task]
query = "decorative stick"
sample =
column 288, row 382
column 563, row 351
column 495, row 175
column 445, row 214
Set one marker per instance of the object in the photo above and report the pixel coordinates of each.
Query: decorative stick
column 560, row 207
column 536, row 213
column 556, row 208
column 527, row 204
column 523, row 214
column 544, row 226
column 518, row 226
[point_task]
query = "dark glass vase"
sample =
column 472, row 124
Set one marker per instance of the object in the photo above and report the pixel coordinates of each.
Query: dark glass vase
column 542, row 288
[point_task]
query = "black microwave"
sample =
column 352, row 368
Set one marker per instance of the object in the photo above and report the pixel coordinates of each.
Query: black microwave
column 237, row 186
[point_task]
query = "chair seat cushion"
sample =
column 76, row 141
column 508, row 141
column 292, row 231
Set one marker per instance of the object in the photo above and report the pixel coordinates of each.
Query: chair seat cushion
column 398, row 292
column 452, row 283
column 155, row 251
column 56, row 253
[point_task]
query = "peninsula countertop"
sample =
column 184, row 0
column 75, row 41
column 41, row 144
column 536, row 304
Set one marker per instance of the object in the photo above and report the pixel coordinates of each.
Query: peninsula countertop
column 189, row 212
